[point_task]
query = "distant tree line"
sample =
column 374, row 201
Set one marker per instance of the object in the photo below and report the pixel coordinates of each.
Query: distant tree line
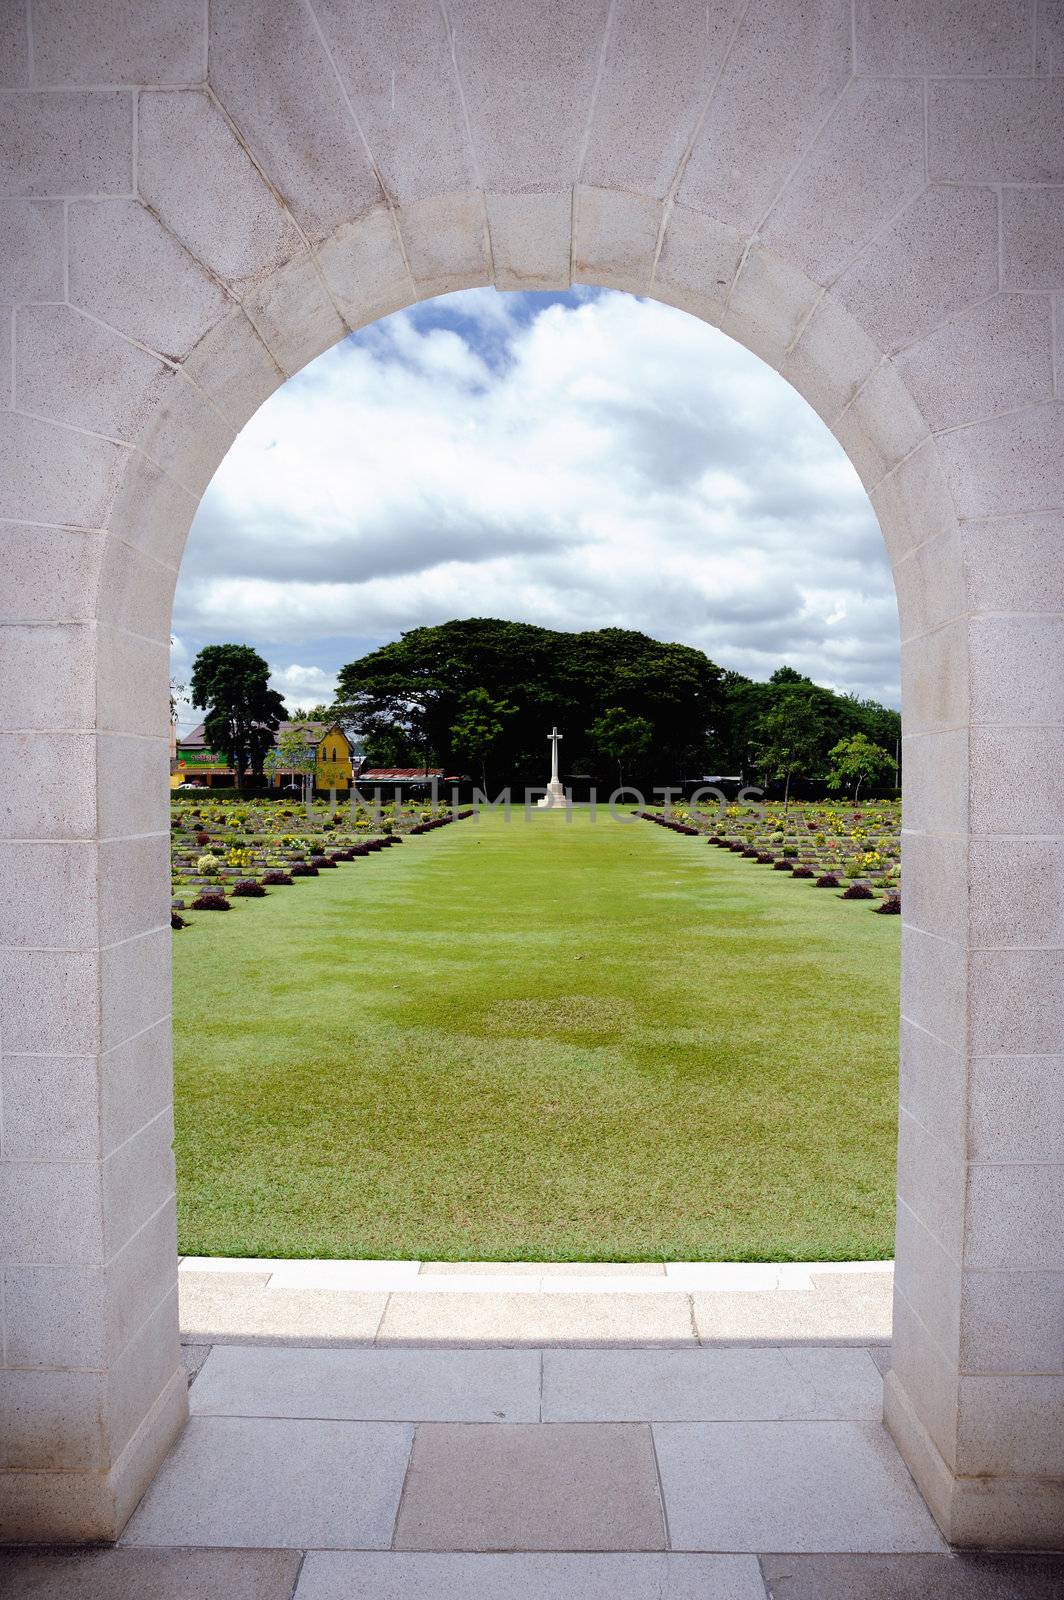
column 480, row 695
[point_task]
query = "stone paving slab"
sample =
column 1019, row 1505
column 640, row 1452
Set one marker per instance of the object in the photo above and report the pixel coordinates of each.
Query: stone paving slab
column 802, row 1486
column 914, row 1577
column 401, row 1576
column 567, row 1486
column 542, row 1319
column 237, row 1309
column 854, row 1309
column 251, row 1482
column 371, row 1385
column 149, row 1574
column 731, row 1384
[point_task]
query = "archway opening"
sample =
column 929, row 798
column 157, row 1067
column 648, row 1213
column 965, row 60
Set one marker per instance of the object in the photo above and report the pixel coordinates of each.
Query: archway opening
column 531, row 1044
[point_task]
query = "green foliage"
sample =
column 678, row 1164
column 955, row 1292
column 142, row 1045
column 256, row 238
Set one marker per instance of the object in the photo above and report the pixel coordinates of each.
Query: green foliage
column 479, row 727
column 230, row 683
column 857, row 760
column 620, row 735
column 406, row 699
column 789, row 734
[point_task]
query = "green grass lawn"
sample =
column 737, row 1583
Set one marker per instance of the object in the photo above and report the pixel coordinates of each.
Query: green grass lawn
column 549, row 1041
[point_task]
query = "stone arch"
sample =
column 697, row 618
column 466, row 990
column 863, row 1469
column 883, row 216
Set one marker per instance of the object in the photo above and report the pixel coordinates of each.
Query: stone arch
column 200, row 200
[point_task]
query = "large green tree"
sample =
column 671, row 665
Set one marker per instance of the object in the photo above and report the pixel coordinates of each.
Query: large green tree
column 789, row 736
column 230, row 684
column 857, row 760
column 408, row 697
column 621, row 736
column 479, row 727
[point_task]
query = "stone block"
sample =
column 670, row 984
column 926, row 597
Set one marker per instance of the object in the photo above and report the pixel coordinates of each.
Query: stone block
column 536, row 1319
column 1032, row 239
column 67, row 144
column 1016, row 1111
column 51, row 1420
column 933, row 985
column 32, row 254
column 397, row 74
column 48, row 785
column 866, row 162
column 785, row 69
column 960, row 1575
column 881, row 425
column 132, row 792
column 1006, row 465
column 1017, row 893
column 903, row 37
column 939, row 256
column 134, row 985
column 1012, row 1426
column 246, row 1482
column 398, row 1575
column 914, row 502
column 14, row 48
column 614, row 239
column 830, row 359
column 984, row 131
column 936, row 781
column 135, row 1084
column 191, row 169
column 484, row 1386
column 562, row 1487
column 365, row 268
column 1012, row 563
column 296, row 318
column 531, row 239
column 446, row 243
column 788, row 1486
column 653, row 56
column 1017, row 780
column 697, row 263
column 769, row 304
column 104, row 42
column 736, row 1385
column 46, row 677
column 1012, row 1322
column 51, row 1108
column 1016, row 1001
column 935, row 679
column 272, row 73
column 1017, row 669
column 933, row 1086
column 50, row 574
column 53, row 1212
column 122, row 1574
column 152, row 289
column 927, row 1275
column 995, row 357
column 528, row 77
column 52, row 474
column 931, row 586
column 1015, row 1218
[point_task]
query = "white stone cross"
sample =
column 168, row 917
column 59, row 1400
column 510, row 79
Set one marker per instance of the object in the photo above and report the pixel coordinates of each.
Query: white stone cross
column 554, row 736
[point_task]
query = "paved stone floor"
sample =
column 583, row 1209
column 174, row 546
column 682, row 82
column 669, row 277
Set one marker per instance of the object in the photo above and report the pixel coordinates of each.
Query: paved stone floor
column 371, row 1432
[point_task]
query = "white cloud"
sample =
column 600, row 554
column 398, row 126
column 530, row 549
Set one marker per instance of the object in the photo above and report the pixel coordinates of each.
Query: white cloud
column 577, row 461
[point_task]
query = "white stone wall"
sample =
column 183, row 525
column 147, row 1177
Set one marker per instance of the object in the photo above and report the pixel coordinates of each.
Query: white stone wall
column 198, row 198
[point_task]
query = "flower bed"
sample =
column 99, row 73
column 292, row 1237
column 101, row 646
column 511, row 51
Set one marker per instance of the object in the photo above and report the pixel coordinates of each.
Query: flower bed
column 853, row 849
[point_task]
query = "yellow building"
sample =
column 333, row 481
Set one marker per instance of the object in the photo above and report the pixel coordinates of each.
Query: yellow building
column 195, row 763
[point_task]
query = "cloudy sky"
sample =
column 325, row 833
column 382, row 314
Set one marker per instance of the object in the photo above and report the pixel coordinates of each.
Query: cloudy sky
column 581, row 461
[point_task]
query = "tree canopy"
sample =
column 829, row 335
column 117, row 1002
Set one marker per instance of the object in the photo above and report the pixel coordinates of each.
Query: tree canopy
column 230, row 683
column 484, row 691
column 407, row 699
